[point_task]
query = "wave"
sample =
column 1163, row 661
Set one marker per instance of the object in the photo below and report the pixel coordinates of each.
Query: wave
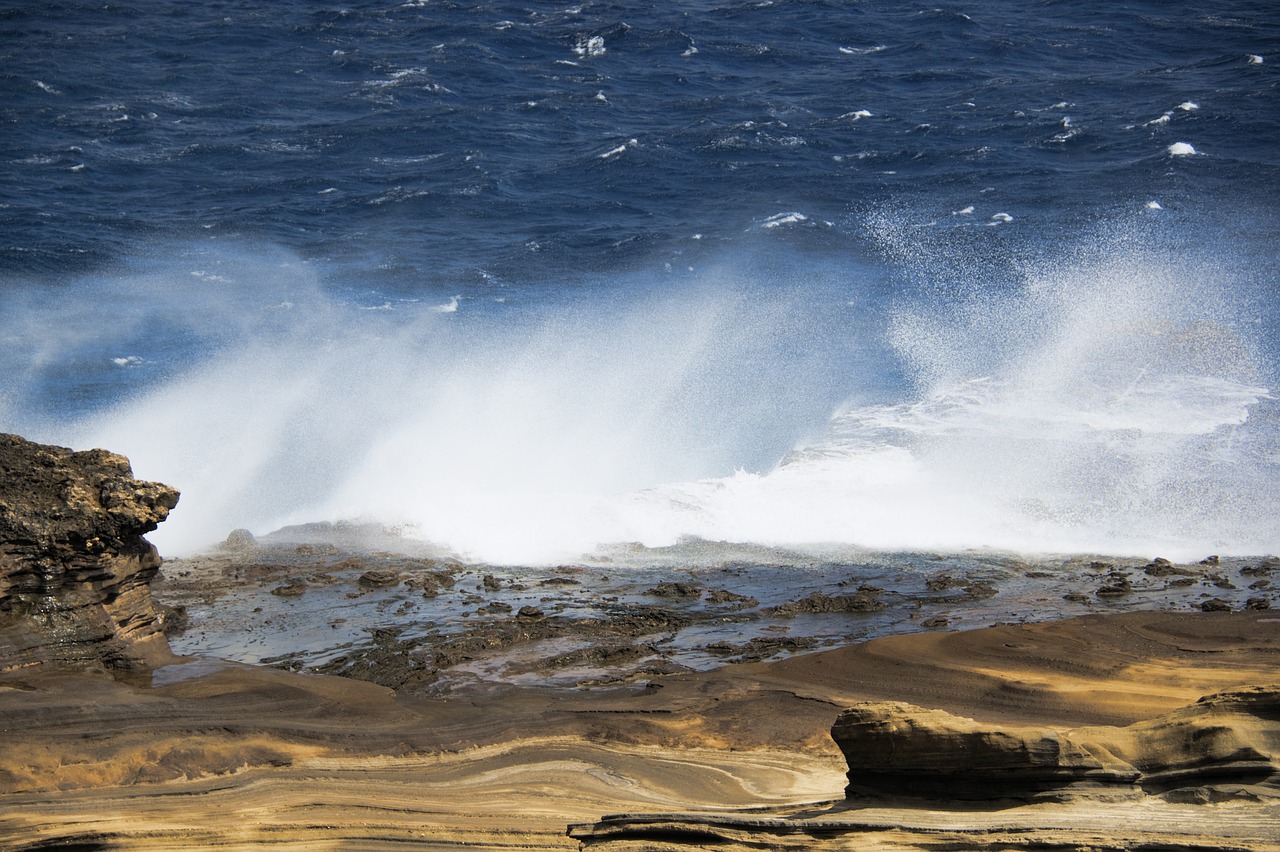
column 1108, row 398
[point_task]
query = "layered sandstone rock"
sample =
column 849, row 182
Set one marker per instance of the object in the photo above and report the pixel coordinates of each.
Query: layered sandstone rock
column 1216, row 748
column 74, row 567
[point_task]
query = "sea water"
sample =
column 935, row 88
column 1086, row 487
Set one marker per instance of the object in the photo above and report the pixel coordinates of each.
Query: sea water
column 528, row 281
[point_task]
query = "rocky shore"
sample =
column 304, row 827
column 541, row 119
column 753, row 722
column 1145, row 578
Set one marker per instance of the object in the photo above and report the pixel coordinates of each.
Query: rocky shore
column 319, row 689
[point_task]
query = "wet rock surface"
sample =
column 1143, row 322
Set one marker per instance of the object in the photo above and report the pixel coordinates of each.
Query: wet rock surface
column 318, row 605
column 74, row 567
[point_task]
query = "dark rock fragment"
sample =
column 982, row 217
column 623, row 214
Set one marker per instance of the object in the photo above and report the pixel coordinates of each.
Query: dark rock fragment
column 669, row 589
column 378, row 579
column 1116, row 585
column 864, row 600
column 290, row 590
column 724, row 596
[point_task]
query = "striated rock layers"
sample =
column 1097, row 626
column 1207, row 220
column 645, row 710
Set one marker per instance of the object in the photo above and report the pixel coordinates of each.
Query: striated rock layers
column 1225, row 745
column 74, row 567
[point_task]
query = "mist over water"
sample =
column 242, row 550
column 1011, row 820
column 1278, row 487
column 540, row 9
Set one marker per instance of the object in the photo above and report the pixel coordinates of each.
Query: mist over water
column 1113, row 396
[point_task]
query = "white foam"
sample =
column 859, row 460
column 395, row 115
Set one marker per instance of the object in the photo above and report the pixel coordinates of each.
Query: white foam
column 780, row 219
column 1154, row 205
column 613, row 152
column 1000, row 218
column 1188, row 106
column 590, row 47
column 966, row 211
column 1164, row 119
column 1181, row 149
column 1254, row 59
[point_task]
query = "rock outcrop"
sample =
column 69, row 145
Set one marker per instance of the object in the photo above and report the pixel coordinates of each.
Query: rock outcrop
column 74, row 567
column 1219, row 747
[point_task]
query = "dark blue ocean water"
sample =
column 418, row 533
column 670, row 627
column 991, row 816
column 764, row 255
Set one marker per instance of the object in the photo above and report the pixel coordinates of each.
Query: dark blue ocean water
column 530, row 278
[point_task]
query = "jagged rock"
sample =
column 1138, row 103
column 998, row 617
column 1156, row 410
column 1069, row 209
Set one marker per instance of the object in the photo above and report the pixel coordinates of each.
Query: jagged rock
column 896, row 749
column 240, row 540
column 1116, row 585
column 670, row 589
column 75, row 571
column 866, row 599
column 378, row 579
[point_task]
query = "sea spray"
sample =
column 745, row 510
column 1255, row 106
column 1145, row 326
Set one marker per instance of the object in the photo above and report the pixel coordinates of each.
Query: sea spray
column 271, row 397
column 1108, row 396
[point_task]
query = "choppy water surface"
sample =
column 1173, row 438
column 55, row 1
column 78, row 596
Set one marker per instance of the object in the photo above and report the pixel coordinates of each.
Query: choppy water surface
column 526, row 282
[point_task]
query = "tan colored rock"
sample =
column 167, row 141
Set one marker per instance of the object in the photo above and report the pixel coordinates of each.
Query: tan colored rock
column 1230, row 739
column 74, row 567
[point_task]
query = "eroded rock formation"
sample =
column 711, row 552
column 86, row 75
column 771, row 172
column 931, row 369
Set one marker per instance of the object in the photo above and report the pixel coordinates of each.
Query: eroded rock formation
column 1218, row 747
column 74, row 567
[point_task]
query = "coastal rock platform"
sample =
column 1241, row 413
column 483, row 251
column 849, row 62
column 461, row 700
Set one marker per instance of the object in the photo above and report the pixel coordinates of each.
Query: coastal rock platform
column 485, row 708
column 203, row 754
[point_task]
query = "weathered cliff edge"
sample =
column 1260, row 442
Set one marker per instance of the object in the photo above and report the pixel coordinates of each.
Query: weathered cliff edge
column 1223, row 746
column 74, row 567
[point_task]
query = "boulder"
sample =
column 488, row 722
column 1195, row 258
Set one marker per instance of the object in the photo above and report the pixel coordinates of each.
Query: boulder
column 75, row 571
column 1227, row 741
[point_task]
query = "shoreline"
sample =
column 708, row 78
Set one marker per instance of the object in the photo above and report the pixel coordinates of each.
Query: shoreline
column 304, row 759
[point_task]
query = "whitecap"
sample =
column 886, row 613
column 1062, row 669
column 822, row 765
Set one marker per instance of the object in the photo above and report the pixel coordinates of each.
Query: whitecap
column 863, row 51
column 448, row 307
column 1188, row 106
column 857, row 114
column 613, row 152
column 45, row 87
column 784, row 219
column 1000, row 218
column 128, row 361
column 1154, row 205
column 1164, row 119
column 965, row 212
column 590, row 47
column 1181, row 149
column 1254, row 59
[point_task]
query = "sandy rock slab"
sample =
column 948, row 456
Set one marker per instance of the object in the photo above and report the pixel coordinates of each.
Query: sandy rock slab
column 206, row 754
column 1050, row 774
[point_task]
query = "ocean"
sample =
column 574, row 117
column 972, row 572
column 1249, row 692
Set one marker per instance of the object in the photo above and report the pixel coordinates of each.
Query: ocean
column 527, row 281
